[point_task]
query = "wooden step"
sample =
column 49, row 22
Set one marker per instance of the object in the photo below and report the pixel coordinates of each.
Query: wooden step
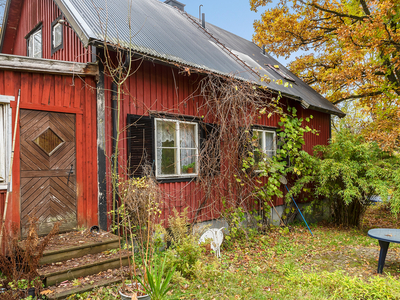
column 82, row 289
column 55, row 273
column 64, row 254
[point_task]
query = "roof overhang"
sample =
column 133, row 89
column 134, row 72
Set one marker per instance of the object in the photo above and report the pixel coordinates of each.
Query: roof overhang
column 77, row 23
column 12, row 16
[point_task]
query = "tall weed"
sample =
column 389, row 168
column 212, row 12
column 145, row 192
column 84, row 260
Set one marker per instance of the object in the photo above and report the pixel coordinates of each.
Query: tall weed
column 185, row 254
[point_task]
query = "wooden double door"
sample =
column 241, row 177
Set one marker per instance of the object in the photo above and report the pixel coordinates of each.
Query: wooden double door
column 48, row 162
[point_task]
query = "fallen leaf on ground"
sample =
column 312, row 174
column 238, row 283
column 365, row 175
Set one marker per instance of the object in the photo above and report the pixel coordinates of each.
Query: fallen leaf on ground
column 46, row 292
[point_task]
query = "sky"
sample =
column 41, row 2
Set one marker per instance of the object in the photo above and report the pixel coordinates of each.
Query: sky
column 233, row 16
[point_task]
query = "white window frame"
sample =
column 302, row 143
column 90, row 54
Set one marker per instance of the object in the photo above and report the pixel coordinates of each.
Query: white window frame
column 32, row 45
column 263, row 140
column 178, row 148
column 5, row 141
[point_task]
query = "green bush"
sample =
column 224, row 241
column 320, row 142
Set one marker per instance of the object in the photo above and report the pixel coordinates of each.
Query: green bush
column 183, row 256
column 347, row 173
column 184, row 251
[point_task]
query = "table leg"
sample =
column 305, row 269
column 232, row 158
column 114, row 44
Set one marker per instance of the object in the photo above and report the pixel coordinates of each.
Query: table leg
column 382, row 255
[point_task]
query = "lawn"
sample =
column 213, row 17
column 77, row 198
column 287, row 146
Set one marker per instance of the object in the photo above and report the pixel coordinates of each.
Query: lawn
column 336, row 263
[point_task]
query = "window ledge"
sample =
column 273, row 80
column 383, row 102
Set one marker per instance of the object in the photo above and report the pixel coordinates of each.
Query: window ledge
column 3, row 186
column 170, row 179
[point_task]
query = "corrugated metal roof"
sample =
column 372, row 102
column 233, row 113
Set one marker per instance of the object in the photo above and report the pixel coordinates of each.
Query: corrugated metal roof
column 156, row 29
column 254, row 57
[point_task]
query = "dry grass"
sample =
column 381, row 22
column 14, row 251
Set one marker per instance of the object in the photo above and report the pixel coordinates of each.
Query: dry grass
column 21, row 261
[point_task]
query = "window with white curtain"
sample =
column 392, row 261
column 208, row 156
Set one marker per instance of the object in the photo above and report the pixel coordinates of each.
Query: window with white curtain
column 35, row 44
column 265, row 143
column 177, row 147
column 5, row 139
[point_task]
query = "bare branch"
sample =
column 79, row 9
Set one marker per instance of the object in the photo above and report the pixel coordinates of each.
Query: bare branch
column 343, row 15
column 354, row 97
column 365, row 7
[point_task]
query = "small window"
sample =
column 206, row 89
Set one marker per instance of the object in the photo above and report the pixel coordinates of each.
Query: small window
column 56, row 35
column 35, row 44
column 281, row 72
column 265, row 143
column 176, row 148
column 5, row 139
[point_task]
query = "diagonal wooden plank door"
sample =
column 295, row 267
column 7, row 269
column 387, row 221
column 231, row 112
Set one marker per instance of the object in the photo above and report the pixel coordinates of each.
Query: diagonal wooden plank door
column 48, row 181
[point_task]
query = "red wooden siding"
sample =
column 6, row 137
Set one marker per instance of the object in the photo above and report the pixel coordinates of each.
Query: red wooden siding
column 152, row 88
column 161, row 88
column 32, row 13
column 64, row 94
column 320, row 122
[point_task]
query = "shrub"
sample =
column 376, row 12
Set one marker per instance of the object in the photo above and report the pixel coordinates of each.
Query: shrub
column 347, row 172
column 19, row 267
column 185, row 250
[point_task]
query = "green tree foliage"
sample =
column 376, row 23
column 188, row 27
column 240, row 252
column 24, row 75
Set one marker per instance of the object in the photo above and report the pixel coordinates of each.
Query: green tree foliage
column 355, row 53
column 347, row 173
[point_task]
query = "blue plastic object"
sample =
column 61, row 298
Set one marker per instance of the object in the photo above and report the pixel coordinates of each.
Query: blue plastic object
column 299, row 211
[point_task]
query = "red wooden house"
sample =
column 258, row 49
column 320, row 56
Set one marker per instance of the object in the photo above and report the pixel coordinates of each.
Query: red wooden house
column 162, row 102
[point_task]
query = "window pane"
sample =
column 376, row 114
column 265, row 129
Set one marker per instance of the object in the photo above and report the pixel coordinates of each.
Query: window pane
column 257, row 145
column 270, row 153
column 166, row 134
column 188, row 161
column 30, row 47
column 37, row 44
column 269, row 144
column 187, row 135
column 166, row 160
column 166, row 157
column 57, row 33
column 48, row 141
column 176, row 156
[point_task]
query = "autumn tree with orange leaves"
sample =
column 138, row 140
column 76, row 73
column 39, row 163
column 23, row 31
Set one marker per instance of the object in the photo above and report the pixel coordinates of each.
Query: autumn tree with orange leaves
column 355, row 54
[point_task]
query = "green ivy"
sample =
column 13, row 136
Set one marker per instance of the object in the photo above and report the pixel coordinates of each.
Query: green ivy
column 287, row 162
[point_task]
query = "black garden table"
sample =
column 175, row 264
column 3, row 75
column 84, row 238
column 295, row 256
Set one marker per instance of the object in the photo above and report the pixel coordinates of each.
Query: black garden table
column 385, row 236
